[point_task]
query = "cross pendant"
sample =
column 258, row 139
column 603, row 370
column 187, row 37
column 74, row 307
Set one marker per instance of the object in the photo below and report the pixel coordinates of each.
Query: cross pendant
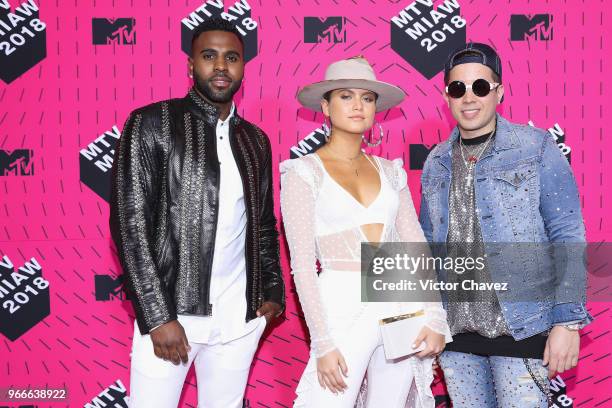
column 469, row 178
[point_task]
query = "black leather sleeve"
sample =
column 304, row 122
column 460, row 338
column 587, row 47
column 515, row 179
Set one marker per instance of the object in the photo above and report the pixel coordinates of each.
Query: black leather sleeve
column 273, row 285
column 133, row 196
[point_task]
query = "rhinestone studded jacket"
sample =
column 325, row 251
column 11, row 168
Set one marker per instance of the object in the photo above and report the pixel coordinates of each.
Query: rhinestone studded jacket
column 164, row 209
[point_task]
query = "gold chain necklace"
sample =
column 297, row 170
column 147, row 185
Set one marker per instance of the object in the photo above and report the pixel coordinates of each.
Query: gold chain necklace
column 350, row 159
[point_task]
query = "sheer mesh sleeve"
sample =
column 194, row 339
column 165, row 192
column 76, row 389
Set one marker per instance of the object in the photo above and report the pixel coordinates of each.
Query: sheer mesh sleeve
column 410, row 230
column 298, row 210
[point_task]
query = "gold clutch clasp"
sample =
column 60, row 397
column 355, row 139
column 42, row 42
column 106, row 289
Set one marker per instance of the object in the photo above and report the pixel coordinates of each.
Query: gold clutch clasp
column 402, row 317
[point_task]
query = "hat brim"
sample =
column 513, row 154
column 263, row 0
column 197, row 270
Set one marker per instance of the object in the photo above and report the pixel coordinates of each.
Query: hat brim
column 388, row 95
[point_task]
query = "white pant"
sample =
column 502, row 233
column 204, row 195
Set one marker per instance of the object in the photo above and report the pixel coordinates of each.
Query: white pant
column 356, row 333
column 221, row 370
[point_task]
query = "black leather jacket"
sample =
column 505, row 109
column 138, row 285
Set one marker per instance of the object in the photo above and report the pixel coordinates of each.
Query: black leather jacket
column 164, row 208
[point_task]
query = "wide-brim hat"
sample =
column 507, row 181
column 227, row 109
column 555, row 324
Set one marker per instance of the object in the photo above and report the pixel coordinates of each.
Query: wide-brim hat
column 354, row 72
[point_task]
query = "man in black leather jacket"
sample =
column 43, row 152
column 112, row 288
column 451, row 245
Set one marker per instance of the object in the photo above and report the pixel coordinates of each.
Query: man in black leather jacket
column 192, row 216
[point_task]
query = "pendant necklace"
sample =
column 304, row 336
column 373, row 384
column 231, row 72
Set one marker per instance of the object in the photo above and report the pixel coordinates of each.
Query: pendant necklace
column 470, row 162
column 350, row 159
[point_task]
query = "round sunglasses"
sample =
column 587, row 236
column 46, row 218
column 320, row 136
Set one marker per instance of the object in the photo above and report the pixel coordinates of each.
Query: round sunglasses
column 480, row 87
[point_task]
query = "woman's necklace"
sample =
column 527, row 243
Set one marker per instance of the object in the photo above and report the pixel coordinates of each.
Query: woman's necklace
column 351, row 160
column 470, row 162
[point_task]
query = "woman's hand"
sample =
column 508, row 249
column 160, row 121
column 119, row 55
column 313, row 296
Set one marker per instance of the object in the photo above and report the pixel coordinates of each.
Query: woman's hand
column 434, row 342
column 329, row 367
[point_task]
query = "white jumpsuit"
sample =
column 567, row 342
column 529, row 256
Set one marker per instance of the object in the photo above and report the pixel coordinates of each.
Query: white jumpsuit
column 323, row 222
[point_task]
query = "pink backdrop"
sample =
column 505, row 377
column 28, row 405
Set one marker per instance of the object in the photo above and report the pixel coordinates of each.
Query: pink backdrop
column 80, row 90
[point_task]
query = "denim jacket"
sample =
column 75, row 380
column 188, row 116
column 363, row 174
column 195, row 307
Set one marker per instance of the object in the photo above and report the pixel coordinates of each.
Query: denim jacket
column 525, row 192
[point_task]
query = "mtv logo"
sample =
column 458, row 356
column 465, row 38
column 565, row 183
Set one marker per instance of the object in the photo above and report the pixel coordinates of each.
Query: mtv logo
column 107, row 287
column 415, row 29
column 417, row 154
column 120, row 31
column 310, row 144
column 537, row 27
column 559, row 396
column 329, row 29
column 239, row 14
column 20, row 53
column 16, row 162
column 22, row 310
column 96, row 161
column 115, row 395
column 559, row 135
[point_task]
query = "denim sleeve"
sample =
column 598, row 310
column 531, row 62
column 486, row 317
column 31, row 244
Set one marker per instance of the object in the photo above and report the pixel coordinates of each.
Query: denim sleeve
column 570, row 313
column 424, row 218
column 562, row 215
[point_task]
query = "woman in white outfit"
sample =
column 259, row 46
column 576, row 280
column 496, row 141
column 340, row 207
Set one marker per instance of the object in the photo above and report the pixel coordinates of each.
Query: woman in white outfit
column 332, row 201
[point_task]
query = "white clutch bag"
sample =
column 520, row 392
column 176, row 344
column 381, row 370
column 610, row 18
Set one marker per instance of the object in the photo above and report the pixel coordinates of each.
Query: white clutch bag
column 400, row 332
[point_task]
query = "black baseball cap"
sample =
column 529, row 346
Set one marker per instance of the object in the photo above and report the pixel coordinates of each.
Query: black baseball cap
column 474, row 52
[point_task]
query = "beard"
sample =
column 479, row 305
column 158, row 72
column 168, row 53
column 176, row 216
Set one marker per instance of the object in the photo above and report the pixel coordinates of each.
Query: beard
column 206, row 89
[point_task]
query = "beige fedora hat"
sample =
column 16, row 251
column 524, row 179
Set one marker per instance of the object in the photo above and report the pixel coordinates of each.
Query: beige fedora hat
column 354, row 72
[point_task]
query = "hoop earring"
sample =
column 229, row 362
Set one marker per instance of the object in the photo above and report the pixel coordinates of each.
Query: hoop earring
column 326, row 130
column 379, row 141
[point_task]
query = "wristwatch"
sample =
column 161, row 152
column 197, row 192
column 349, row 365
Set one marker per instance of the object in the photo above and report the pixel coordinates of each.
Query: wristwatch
column 572, row 327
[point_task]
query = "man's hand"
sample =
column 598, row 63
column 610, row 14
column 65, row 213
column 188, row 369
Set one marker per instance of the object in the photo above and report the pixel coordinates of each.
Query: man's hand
column 434, row 342
column 561, row 351
column 170, row 342
column 269, row 310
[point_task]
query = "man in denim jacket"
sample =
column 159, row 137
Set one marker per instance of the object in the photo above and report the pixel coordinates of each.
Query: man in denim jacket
column 503, row 191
